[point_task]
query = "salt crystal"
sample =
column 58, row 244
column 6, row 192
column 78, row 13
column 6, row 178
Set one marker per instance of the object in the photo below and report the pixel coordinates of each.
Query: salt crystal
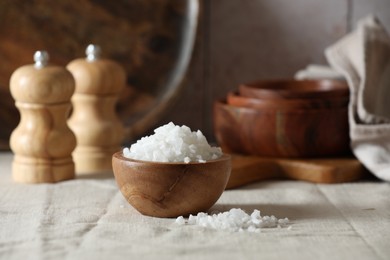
column 173, row 143
column 255, row 214
column 180, row 220
column 192, row 220
column 235, row 220
column 256, row 221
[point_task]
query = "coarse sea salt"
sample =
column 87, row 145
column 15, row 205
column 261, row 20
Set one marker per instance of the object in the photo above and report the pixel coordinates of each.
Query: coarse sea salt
column 173, row 143
column 235, row 220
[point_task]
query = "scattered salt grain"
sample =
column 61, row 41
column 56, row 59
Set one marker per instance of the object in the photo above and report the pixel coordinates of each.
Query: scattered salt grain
column 173, row 143
column 235, row 220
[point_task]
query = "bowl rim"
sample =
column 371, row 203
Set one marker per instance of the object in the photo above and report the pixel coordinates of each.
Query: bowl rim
column 233, row 98
column 119, row 155
column 236, row 94
column 283, row 90
column 283, row 110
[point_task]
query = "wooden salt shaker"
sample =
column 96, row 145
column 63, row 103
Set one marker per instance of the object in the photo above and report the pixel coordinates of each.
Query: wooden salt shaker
column 98, row 130
column 42, row 142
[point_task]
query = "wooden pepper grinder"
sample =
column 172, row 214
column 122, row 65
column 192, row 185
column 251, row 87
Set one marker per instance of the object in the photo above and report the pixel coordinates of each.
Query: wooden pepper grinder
column 98, row 130
column 42, row 142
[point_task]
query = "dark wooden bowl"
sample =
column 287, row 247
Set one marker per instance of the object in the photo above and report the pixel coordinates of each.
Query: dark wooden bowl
column 282, row 133
column 171, row 189
column 291, row 88
column 234, row 99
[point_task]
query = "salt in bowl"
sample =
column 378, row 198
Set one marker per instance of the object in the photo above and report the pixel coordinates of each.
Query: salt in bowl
column 161, row 189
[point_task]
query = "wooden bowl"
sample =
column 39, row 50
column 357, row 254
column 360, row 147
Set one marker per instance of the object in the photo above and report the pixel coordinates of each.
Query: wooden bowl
column 282, row 133
column 171, row 189
column 291, row 88
column 234, row 99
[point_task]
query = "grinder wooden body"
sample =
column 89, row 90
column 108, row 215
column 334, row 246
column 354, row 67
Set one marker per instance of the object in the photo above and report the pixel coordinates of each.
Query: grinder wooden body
column 94, row 121
column 42, row 143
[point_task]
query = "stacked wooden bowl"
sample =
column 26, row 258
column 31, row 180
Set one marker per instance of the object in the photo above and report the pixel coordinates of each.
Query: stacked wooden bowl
column 285, row 118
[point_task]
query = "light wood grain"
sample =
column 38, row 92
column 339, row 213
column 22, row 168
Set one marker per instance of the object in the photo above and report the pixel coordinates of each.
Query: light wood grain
column 249, row 169
column 42, row 142
column 171, row 189
column 97, row 127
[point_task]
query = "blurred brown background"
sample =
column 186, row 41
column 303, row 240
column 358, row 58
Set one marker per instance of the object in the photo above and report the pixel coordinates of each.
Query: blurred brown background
column 237, row 41
column 243, row 40
column 143, row 36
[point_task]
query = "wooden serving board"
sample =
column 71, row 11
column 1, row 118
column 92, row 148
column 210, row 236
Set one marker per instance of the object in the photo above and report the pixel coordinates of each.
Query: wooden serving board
column 248, row 169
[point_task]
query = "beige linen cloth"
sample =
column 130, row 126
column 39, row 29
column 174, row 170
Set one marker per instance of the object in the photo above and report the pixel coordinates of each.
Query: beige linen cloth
column 88, row 218
column 363, row 58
